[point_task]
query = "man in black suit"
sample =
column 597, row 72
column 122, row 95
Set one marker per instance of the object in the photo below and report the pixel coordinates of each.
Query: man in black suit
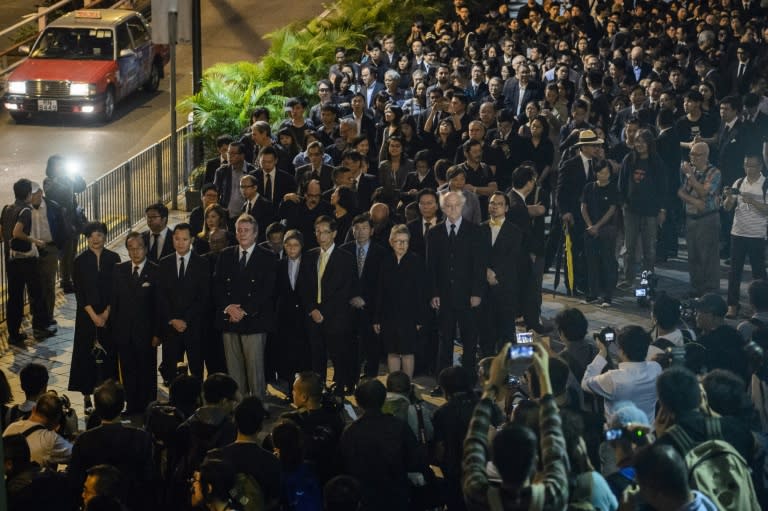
column 371, row 86
column 181, row 298
column 133, row 314
column 364, row 123
column 574, row 174
column 243, row 286
column 261, row 134
column 158, row 239
column 518, row 94
column 272, row 183
column 503, row 241
column 330, row 285
column 367, row 256
column 363, row 184
column 300, row 212
column 315, row 169
column 212, row 165
column 256, row 205
column 743, row 71
column 637, row 109
column 429, row 210
column 228, row 177
column 126, row 448
column 456, row 260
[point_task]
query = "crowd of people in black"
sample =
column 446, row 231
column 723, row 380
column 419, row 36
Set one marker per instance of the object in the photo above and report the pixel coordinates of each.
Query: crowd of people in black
column 417, row 204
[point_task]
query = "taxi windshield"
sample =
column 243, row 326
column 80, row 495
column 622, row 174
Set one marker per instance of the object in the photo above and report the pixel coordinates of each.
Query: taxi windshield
column 75, row 44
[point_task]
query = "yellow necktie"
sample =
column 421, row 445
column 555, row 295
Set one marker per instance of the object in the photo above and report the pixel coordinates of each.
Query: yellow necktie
column 320, row 271
column 496, row 223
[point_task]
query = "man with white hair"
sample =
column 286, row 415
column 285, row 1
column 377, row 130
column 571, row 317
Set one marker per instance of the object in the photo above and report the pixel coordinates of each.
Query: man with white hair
column 456, row 260
column 700, row 192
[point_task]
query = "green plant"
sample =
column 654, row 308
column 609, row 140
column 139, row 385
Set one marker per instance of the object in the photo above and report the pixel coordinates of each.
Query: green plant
column 195, row 180
column 300, row 54
column 228, row 94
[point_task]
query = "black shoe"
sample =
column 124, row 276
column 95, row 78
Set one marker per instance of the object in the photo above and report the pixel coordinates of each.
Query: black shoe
column 53, row 323
column 17, row 340
column 436, row 392
column 43, row 333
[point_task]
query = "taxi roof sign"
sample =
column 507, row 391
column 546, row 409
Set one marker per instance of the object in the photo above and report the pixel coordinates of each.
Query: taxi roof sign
column 88, row 14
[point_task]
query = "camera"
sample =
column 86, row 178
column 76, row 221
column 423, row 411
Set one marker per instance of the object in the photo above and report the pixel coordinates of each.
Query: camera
column 688, row 311
column 606, row 335
column 646, row 291
column 99, row 353
column 520, row 352
column 735, row 191
column 636, row 436
column 524, row 338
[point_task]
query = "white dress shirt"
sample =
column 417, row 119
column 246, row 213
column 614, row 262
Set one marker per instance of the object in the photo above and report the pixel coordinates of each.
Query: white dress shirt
column 632, row 381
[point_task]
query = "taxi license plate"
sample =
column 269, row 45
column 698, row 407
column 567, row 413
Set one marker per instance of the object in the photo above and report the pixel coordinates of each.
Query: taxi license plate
column 47, row 105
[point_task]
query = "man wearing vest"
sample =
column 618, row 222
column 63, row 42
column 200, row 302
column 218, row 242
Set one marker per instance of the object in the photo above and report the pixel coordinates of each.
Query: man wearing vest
column 750, row 220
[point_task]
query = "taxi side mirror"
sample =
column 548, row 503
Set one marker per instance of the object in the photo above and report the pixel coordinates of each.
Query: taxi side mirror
column 24, row 49
column 127, row 52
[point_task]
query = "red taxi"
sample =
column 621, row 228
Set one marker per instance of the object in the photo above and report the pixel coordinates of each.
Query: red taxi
column 85, row 62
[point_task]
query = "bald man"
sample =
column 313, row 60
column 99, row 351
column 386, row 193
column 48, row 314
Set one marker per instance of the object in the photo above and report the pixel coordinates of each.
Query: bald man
column 699, row 191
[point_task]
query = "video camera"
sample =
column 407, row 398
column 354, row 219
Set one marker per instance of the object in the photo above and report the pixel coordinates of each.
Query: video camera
column 636, row 436
column 646, row 291
column 688, row 311
column 606, row 335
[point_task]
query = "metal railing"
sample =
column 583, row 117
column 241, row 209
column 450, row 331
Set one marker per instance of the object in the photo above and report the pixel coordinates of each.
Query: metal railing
column 119, row 197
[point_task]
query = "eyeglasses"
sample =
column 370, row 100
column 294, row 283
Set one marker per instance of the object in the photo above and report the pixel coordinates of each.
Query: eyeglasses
column 323, row 90
column 246, row 186
column 153, row 217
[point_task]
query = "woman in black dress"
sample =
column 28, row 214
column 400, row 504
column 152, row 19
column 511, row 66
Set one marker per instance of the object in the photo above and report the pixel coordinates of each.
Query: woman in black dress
column 92, row 276
column 401, row 306
column 292, row 347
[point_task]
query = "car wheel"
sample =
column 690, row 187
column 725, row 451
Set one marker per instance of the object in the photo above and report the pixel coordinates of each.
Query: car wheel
column 153, row 82
column 109, row 106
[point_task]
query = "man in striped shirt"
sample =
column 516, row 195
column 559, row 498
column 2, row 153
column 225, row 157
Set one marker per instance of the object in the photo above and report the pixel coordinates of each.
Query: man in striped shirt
column 750, row 221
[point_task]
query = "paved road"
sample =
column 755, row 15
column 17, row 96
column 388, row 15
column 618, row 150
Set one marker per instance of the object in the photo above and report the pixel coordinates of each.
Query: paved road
column 232, row 30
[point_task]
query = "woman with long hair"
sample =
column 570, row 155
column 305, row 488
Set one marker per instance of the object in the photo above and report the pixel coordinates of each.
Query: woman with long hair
column 391, row 127
column 538, row 148
column 642, row 186
column 395, row 168
column 445, row 142
column 412, row 142
column 215, row 218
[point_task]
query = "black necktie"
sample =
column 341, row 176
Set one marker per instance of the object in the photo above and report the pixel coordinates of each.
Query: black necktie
column 591, row 170
column 181, row 268
column 156, row 246
column 452, row 236
column 136, row 273
column 243, row 260
column 248, row 208
column 741, row 71
column 268, row 188
column 427, row 227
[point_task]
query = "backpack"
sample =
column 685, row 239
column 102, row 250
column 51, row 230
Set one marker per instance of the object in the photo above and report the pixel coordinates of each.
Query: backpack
column 162, row 421
column 739, row 181
column 15, row 414
column 8, row 217
column 716, row 469
column 247, row 492
column 301, row 490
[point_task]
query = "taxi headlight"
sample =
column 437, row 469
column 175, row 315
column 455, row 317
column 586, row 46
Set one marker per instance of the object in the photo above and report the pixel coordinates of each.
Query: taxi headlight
column 17, row 87
column 79, row 89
